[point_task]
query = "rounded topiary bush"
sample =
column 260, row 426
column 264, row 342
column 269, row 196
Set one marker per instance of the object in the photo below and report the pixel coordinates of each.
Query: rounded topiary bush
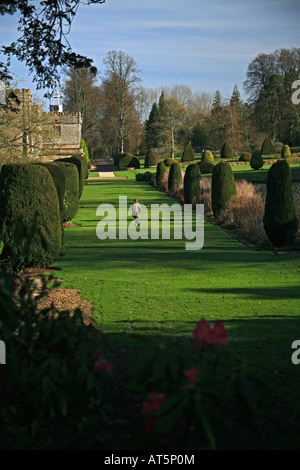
column 205, row 167
column 285, row 152
column 267, row 147
column 188, row 154
column 208, row 157
column 169, row 161
column 223, row 187
column 226, row 151
column 81, row 166
column 245, row 157
column 151, row 159
column 127, row 160
column 256, row 161
column 30, row 222
column 175, row 176
column 160, row 176
column 280, row 220
column 191, row 184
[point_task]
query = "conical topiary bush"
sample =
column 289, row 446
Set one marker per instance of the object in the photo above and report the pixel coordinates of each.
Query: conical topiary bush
column 256, row 160
column 285, row 152
column 208, row 157
column 223, row 187
column 175, row 176
column 280, row 220
column 160, row 176
column 226, row 151
column 151, row 159
column 267, row 147
column 188, row 154
column 191, row 186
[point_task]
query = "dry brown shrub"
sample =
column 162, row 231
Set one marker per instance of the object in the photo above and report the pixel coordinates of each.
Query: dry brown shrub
column 205, row 196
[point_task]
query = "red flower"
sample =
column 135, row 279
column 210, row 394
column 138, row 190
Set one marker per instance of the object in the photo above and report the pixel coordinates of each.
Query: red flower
column 153, row 403
column 218, row 334
column 204, row 335
column 101, row 367
column 191, row 374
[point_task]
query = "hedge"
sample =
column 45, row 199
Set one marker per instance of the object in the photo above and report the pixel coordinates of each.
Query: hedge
column 30, row 222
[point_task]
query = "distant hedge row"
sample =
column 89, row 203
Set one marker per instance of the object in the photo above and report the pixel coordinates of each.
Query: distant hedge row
column 36, row 199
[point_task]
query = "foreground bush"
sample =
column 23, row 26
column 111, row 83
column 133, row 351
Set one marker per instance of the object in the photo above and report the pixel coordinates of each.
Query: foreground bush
column 52, row 384
column 151, row 159
column 175, row 176
column 191, row 184
column 81, row 166
column 223, row 187
column 188, row 154
column 30, row 221
column 145, row 177
column 280, row 220
column 226, row 151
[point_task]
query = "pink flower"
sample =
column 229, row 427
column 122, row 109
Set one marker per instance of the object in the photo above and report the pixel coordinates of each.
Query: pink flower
column 101, row 367
column 191, row 374
column 204, row 335
column 218, row 334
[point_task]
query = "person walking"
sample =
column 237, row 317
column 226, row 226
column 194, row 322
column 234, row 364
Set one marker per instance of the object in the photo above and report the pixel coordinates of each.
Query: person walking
column 136, row 210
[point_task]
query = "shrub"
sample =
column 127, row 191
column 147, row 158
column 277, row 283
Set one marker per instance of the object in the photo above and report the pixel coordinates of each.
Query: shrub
column 71, row 193
column 82, row 159
column 226, row 151
column 223, row 187
column 205, row 195
column 245, row 157
column 267, row 147
column 205, row 167
column 147, row 176
column 280, row 219
column 81, row 168
column 285, row 152
column 51, row 382
column 188, row 154
column 169, row 161
column 151, row 159
column 128, row 160
column 256, row 161
column 83, row 146
column 191, row 184
column 58, row 174
column 30, row 222
column 208, row 157
column 161, row 175
column 175, row 176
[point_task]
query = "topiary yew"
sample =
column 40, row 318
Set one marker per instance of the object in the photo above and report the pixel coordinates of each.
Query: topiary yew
column 205, row 167
column 267, row 147
column 223, row 187
column 208, row 157
column 226, row 151
column 151, row 159
column 280, row 220
column 83, row 146
column 188, row 154
column 30, row 222
column 256, row 161
column 285, row 152
column 175, row 176
column 128, row 160
column 161, row 171
column 71, row 192
column 191, row 186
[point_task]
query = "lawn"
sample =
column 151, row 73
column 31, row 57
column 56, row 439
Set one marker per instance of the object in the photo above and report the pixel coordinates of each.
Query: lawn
column 157, row 288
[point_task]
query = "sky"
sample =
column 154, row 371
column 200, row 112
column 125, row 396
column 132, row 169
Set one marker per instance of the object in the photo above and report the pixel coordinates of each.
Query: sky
column 205, row 44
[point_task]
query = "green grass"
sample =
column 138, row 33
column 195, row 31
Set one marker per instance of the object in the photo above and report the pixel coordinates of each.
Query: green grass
column 157, row 288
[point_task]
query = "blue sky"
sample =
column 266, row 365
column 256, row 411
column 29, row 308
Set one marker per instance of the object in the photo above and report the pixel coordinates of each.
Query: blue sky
column 205, row 44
